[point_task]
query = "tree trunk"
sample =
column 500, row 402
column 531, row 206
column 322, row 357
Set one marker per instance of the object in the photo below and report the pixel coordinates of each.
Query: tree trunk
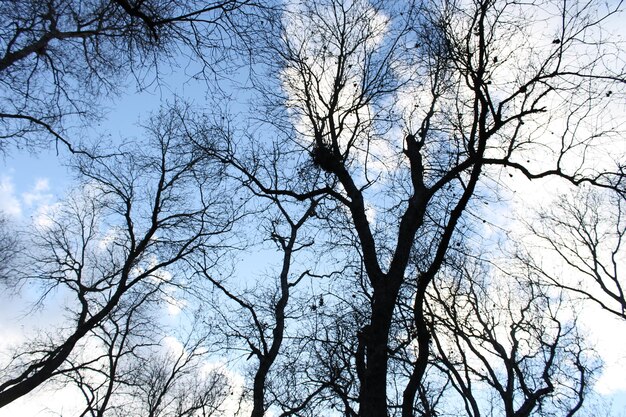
column 375, row 337
column 258, row 391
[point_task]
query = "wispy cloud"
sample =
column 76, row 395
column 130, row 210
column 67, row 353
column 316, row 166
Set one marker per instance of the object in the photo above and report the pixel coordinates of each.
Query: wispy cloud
column 39, row 194
column 610, row 344
column 14, row 203
column 9, row 202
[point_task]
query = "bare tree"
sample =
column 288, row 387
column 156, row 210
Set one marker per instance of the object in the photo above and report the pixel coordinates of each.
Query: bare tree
column 263, row 311
column 133, row 364
column 174, row 384
column 133, row 221
column 585, row 231
column 112, row 349
column 418, row 113
column 506, row 341
column 59, row 56
column 9, row 245
column 277, row 321
column 394, row 128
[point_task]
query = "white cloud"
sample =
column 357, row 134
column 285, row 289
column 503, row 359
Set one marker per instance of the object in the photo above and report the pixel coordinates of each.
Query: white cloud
column 39, row 194
column 38, row 403
column 173, row 345
column 174, row 305
column 610, row 339
column 37, row 200
column 9, row 203
column 44, row 215
column 236, row 404
column 42, row 184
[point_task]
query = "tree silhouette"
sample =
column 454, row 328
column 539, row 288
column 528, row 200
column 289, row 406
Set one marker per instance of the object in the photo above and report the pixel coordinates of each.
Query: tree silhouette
column 133, row 220
column 416, row 114
column 60, row 57
column 380, row 157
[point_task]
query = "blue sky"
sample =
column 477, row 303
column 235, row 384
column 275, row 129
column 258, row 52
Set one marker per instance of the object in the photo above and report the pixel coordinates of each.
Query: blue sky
column 30, row 183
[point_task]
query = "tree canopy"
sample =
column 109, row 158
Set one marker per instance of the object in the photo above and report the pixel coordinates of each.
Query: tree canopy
column 354, row 223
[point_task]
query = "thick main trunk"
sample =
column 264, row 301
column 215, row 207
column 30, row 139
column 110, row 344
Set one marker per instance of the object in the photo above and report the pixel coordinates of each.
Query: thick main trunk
column 375, row 337
column 373, row 393
column 258, row 392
